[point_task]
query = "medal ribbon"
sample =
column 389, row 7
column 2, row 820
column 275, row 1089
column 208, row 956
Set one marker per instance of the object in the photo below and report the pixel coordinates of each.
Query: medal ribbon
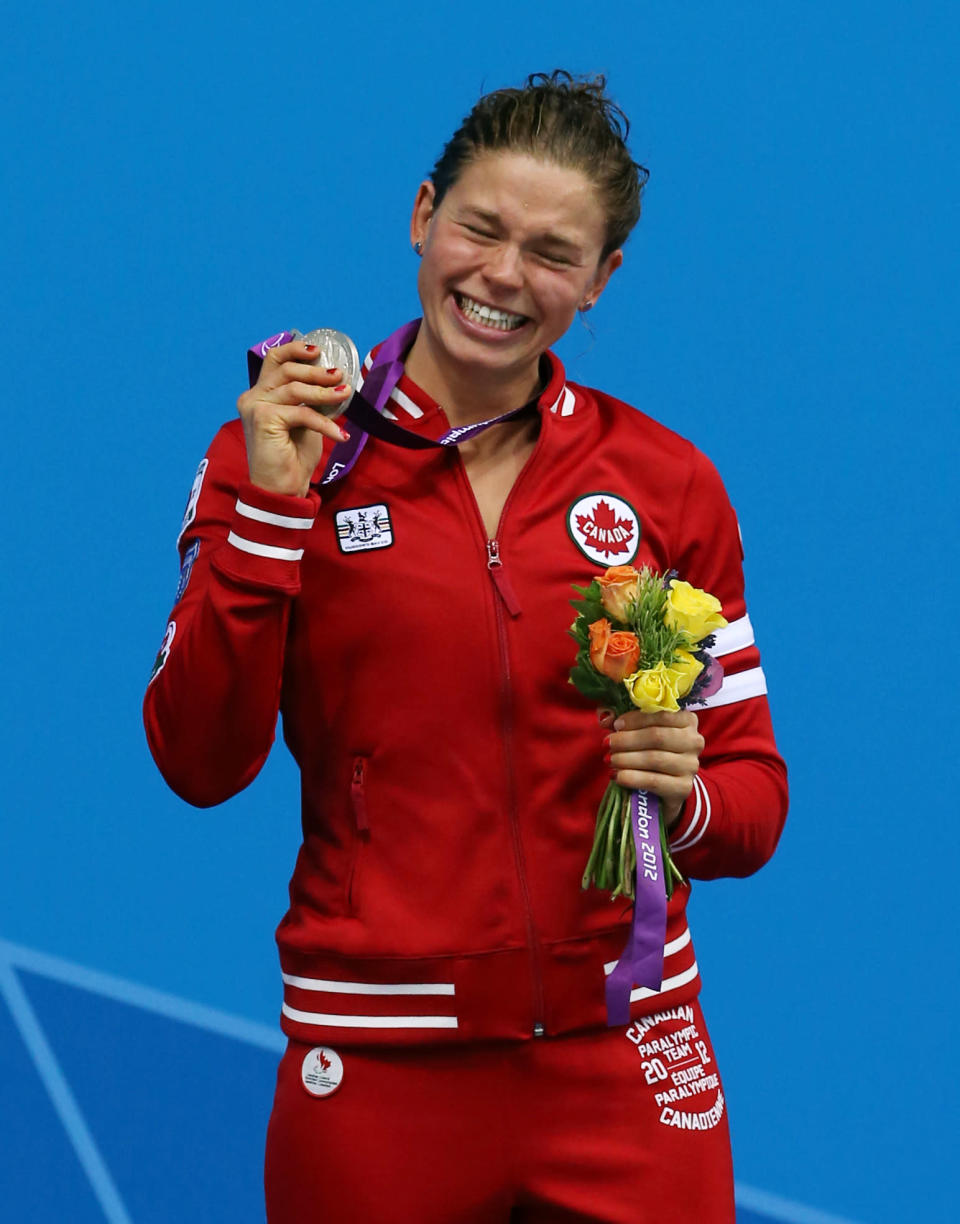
column 366, row 408
column 641, row 962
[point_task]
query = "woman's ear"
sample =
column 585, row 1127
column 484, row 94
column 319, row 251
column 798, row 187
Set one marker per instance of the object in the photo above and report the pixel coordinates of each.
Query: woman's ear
column 607, row 268
column 422, row 212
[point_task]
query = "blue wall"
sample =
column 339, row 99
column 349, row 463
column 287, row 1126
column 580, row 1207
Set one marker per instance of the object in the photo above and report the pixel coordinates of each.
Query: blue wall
column 184, row 182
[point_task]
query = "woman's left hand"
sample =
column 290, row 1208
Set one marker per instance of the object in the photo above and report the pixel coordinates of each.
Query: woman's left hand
column 658, row 753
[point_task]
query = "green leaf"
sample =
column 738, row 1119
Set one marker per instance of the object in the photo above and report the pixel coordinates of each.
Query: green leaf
column 579, row 631
column 589, row 605
column 592, row 683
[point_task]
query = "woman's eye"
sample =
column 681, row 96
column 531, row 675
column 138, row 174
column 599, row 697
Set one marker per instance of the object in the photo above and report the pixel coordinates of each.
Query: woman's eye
column 558, row 261
column 481, row 233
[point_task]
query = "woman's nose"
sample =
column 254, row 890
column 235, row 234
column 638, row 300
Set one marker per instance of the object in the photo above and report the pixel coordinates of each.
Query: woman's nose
column 504, row 266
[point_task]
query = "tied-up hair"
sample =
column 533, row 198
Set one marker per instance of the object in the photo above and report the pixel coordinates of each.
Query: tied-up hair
column 564, row 119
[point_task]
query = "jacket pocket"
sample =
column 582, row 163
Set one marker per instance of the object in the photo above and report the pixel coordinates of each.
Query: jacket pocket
column 361, row 827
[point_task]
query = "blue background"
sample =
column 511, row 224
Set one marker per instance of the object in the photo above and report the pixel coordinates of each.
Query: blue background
column 186, row 179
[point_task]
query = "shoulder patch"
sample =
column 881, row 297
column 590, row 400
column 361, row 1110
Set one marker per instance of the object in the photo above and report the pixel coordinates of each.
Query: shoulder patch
column 363, row 528
column 186, row 569
column 605, row 528
column 190, row 513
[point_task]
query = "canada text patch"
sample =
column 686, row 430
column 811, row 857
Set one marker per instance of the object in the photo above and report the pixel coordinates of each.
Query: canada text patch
column 605, row 528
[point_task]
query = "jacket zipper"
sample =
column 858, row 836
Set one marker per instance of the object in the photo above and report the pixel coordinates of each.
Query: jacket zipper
column 505, row 598
column 504, row 591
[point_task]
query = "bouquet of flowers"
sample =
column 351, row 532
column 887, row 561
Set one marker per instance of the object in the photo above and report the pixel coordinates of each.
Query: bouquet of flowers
column 644, row 641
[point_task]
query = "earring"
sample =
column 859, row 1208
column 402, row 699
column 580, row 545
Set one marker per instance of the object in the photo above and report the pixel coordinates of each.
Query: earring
column 418, row 247
column 585, row 306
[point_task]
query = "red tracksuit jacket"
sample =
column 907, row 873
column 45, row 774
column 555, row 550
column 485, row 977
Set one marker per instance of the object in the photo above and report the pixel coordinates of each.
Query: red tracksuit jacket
column 450, row 773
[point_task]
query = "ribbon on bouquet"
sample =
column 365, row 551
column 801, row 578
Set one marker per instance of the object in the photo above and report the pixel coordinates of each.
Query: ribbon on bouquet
column 366, row 408
column 641, row 962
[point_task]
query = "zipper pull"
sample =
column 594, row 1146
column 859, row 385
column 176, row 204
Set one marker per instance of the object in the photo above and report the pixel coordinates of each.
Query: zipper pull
column 500, row 579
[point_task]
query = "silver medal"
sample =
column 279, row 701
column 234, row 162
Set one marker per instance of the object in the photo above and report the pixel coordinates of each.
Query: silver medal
column 336, row 350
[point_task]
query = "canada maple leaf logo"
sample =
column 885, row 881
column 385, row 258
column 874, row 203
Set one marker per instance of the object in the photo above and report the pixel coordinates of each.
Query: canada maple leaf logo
column 604, row 531
column 324, row 1062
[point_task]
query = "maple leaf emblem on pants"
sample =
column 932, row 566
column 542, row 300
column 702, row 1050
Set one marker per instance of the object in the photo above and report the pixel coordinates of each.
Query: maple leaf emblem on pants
column 604, row 531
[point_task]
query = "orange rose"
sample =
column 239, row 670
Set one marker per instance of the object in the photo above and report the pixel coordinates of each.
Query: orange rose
column 616, row 655
column 619, row 587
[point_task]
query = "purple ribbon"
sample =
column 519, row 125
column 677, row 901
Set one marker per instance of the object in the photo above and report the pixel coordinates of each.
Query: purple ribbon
column 641, row 962
column 257, row 352
column 366, row 408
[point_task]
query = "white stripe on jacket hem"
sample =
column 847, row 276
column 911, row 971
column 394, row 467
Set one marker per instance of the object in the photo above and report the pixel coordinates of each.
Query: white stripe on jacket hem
column 668, row 950
column 670, row 983
column 329, row 986
column 374, row 1022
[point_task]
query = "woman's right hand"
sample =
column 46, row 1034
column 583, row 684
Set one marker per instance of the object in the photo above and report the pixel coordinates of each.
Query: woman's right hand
column 283, row 418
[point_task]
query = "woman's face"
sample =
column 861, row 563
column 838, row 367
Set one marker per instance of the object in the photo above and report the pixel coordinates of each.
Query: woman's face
column 508, row 257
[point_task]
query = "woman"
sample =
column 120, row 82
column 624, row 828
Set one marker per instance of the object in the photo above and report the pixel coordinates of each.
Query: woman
column 448, row 1056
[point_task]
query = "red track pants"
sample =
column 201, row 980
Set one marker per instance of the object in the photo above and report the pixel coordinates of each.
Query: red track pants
column 610, row 1127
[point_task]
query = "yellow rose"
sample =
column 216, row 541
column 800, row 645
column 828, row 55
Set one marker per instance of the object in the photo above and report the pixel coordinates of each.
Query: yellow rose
column 685, row 668
column 653, row 689
column 693, row 611
column 619, row 587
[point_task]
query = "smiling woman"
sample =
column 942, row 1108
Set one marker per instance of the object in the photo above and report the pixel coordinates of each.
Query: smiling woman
column 508, row 255
column 440, row 963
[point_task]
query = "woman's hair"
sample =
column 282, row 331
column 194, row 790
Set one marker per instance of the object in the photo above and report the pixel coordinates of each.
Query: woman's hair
column 566, row 120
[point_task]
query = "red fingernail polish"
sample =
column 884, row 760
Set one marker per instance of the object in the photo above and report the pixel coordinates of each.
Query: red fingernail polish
column 332, row 370
column 344, row 436
column 613, row 774
column 606, row 758
column 606, row 742
column 342, row 387
column 311, row 348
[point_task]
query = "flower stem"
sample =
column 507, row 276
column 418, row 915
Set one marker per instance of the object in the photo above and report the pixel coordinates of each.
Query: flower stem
column 593, row 873
column 610, row 872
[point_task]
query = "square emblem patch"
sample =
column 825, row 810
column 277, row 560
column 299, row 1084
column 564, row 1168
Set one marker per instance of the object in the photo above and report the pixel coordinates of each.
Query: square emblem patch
column 363, row 528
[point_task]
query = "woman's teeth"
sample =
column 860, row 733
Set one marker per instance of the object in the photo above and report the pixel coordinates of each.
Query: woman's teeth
column 489, row 316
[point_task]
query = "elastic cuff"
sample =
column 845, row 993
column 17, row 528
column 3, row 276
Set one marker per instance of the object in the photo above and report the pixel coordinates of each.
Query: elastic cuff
column 267, row 537
column 694, row 819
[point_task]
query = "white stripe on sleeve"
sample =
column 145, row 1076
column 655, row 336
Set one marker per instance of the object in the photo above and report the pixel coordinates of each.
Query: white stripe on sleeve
column 264, row 550
column 275, row 520
column 697, row 811
column 739, row 687
column 738, row 635
column 696, row 831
